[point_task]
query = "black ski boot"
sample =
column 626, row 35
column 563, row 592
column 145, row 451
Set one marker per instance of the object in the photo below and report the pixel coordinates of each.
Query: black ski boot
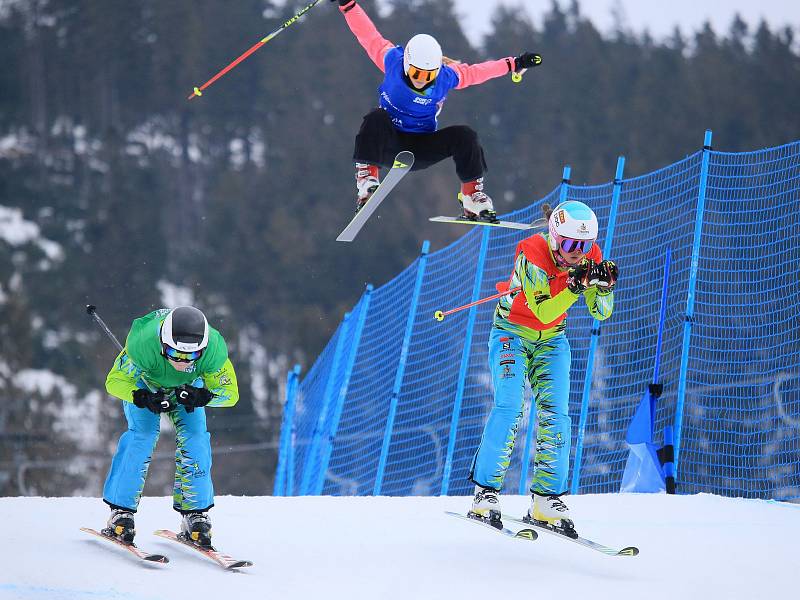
column 196, row 527
column 120, row 525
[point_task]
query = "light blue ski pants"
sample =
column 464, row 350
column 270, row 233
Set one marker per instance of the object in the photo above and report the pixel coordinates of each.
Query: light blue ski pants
column 193, row 488
column 546, row 364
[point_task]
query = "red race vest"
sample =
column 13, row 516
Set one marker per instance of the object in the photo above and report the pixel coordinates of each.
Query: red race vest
column 537, row 252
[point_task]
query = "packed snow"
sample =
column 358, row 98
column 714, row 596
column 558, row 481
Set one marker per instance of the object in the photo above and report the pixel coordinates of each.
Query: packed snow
column 350, row 548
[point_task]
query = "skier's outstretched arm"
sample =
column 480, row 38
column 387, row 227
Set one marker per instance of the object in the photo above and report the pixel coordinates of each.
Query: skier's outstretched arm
column 482, row 72
column 365, row 31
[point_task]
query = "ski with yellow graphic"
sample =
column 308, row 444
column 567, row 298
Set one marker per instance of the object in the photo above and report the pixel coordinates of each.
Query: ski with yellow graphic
column 402, row 165
column 537, row 224
column 522, row 534
column 539, row 526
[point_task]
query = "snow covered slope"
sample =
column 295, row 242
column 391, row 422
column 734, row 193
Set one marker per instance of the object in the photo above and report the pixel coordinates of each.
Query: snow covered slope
column 399, row 548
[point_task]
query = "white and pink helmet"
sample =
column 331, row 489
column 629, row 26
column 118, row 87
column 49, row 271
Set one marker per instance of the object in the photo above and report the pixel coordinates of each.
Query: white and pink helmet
column 572, row 225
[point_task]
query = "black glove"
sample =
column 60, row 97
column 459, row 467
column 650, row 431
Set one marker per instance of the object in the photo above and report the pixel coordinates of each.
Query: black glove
column 527, row 60
column 155, row 402
column 604, row 276
column 192, row 397
column 578, row 276
column 344, row 2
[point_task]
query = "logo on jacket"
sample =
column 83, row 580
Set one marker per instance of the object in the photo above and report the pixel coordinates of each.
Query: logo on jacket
column 423, row 101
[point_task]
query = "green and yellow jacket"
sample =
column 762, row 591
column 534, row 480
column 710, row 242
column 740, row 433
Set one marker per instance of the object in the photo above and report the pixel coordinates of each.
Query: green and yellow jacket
column 539, row 310
column 142, row 356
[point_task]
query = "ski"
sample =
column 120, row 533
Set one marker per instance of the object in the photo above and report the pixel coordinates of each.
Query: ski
column 130, row 547
column 223, row 560
column 402, row 165
column 537, row 224
column 522, row 534
column 587, row 543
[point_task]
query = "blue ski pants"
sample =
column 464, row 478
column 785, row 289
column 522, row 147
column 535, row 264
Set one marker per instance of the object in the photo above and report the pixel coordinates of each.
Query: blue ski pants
column 193, row 488
column 546, row 365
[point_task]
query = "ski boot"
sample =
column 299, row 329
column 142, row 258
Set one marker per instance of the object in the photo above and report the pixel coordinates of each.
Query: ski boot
column 196, row 527
column 486, row 507
column 367, row 181
column 120, row 525
column 550, row 512
column 475, row 204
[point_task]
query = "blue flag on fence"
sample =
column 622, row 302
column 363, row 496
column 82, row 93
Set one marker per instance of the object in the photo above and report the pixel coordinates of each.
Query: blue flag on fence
column 643, row 471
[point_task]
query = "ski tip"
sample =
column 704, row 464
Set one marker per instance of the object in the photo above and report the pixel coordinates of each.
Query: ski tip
column 240, row 564
column 629, row 551
column 156, row 558
column 528, row 534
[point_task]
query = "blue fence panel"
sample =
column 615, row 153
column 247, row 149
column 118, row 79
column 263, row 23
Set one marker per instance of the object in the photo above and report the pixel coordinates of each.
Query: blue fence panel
column 309, row 400
column 741, row 411
column 655, row 211
column 741, row 424
column 356, row 451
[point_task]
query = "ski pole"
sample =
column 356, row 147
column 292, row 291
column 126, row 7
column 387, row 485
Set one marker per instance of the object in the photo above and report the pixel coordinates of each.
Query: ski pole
column 440, row 315
column 198, row 91
column 91, row 309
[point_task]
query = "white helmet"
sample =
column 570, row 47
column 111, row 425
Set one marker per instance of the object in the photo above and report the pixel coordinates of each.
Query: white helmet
column 571, row 225
column 423, row 52
column 185, row 330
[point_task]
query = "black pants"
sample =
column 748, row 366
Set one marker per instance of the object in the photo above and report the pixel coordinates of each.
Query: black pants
column 378, row 141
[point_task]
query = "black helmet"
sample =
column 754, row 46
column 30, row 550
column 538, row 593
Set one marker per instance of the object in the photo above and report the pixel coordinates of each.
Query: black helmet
column 184, row 334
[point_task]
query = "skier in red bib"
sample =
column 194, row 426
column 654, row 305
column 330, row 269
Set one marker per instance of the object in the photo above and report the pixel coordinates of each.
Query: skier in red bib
column 528, row 340
column 417, row 79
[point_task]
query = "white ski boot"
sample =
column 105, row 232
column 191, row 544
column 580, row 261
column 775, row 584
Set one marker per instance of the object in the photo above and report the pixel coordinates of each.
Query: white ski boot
column 196, row 526
column 120, row 525
column 486, row 506
column 475, row 204
column 551, row 512
column 367, row 181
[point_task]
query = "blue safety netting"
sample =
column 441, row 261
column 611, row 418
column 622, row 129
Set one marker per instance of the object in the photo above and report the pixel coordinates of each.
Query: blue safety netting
column 396, row 402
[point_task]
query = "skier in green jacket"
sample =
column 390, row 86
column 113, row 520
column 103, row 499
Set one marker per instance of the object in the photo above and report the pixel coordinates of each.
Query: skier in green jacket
column 173, row 362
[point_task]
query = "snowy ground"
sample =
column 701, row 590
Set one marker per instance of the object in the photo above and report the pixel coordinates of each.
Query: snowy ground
column 399, row 548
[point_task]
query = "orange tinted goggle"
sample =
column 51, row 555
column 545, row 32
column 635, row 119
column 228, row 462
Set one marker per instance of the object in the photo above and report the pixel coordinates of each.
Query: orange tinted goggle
column 422, row 75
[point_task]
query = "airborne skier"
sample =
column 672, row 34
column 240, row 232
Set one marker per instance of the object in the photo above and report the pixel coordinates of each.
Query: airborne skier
column 417, row 79
column 528, row 340
column 173, row 362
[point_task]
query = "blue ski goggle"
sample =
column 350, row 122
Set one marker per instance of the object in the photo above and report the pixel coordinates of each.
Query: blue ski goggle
column 178, row 356
column 570, row 245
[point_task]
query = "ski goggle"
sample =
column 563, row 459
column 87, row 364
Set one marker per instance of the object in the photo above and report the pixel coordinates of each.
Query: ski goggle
column 570, row 245
column 178, row 356
column 422, row 75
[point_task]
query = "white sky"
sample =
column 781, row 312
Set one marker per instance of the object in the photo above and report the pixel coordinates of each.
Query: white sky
column 658, row 16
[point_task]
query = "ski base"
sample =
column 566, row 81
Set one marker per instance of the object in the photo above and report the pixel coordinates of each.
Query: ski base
column 582, row 541
column 223, row 560
column 537, row 224
column 522, row 534
column 402, row 165
column 130, row 547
